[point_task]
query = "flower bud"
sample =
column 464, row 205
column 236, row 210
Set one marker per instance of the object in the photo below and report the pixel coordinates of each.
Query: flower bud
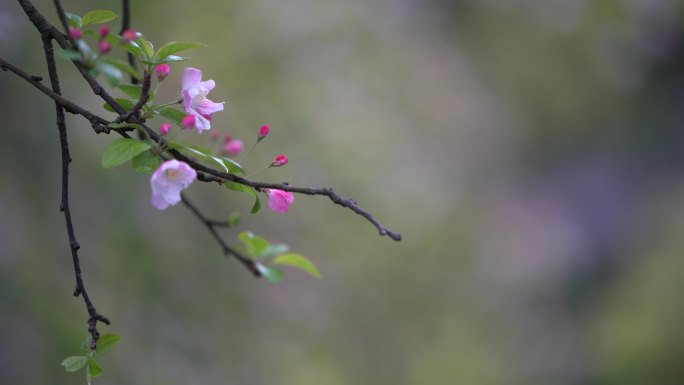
column 190, row 121
column 215, row 135
column 279, row 160
column 162, row 71
column 75, row 33
column 129, row 34
column 104, row 31
column 165, row 128
column 105, row 47
column 263, row 132
column 233, row 147
column 279, row 201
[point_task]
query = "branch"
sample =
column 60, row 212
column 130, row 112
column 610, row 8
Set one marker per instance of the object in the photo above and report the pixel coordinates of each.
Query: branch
column 126, row 24
column 144, row 96
column 227, row 250
column 94, row 316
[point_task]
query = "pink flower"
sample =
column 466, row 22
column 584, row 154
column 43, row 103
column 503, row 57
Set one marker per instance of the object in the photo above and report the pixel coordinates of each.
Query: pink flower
column 279, row 200
column 129, row 35
column 165, row 128
column 190, row 121
column 168, row 182
column 233, row 147
column 75, row 33
column 279, row 160
column 195, row 98
column 105, row 47
column 263, row 131
column 104, row 31
column 162, row 70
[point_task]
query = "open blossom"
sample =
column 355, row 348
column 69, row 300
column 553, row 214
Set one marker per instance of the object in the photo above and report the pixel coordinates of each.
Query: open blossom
column 279, row 200
column 195, row 98
column 233, row 147
column 168, row 182
column 279, row 160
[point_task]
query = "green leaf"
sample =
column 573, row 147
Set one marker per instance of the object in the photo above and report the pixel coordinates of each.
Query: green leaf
column 94, row 368
column 272, row 274
column 171, row 59
column 74, row 20
column 89, row 378
column 235, row 167
column 85, row 344
column 68, row 54
column 234, row 219
column 147, row 48
column 122, row 150
column 255, row 244
column 74, row 363
column 228, row 165
column 106, row 342
column 273, row 250
column 174, row 47
column 171, row 114
column 98, row 17
column 126, row 104
column 147, row 162
column 125, row 67
column 111, row 72
column 132, row 90
column 246, row 189
column 133, row 48
column 298, row 261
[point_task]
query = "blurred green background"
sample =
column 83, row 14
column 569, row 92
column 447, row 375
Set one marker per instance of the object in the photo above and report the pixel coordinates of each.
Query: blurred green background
column 530, row 151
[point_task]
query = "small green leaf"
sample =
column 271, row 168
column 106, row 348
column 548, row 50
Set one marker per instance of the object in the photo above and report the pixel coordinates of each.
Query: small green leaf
column 68, row 54
column 171, row 59
column 234, row 219
column 147, row 162
column 174, row 47
column 98, row 17
column 147, row 47
column 133, row 48
column 272, row 274
column 235, row 167
column 125, row 67
column 273, row 250
column 255, row 244
column 298, row 261
column 171, row 114
column 122, row 150
column 246, row 189
column 132, row 90
column 85, row 344
column 94, row 368
column 111, row 72
column 126, row 104
column 106, row 342
column 74, row 20
column 74, row 363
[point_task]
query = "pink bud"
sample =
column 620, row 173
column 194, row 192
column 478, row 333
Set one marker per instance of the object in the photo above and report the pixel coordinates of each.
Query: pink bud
column 233, row 147
column 263, row 131
column 215, row 135
column 129, row 35
column 105, row 46
column 279, row 200
column 279, row 160
column 165, row 128
column 162, row 71
column 75, row 33
column 189, row 121
column 104, row 31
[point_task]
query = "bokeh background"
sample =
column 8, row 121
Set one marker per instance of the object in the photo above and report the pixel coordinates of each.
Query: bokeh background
column 530, row 151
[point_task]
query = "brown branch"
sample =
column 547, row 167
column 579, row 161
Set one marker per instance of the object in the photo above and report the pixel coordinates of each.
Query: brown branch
column 144, row 97
column 94, row 316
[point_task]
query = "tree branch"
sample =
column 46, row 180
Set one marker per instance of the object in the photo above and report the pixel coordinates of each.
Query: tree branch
column 94, row 316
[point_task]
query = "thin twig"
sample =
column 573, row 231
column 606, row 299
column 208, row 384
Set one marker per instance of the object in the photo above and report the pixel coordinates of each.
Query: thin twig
column 94, row 316
column 227, row 250
column 144, row 96
column 126, row 24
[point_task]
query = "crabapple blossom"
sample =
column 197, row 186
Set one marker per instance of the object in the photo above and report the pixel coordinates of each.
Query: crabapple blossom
column 104, row 31
column 195, row 98
column 105, row 46
column 279, row 200
column 75, row 33
column 190, row 121
column 129, row 34
column 165, row 128
column 279, row 160
column 168, row 181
